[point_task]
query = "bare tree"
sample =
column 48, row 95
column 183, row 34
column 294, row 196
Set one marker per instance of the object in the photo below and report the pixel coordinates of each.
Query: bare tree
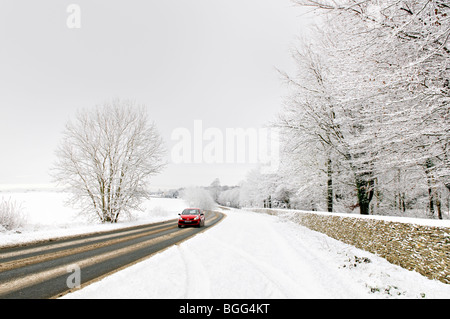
column 106, row 157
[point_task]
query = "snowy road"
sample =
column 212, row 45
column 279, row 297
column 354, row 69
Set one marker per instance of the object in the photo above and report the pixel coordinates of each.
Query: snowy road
column 250, row 255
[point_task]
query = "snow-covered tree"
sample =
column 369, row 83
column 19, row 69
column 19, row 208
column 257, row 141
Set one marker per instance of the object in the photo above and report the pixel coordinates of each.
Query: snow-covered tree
column 320, row 118
column 230, row 197
column 215, row 189
column 308, row 118
column 106, row 157
column 387, row 66
column 198, row 197
column 403, row 49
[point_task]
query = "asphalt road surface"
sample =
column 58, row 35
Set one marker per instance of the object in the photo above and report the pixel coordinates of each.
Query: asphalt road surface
column 51, row 269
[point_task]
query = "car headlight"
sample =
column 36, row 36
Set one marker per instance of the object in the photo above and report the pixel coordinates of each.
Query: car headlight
column 181, row 218
column 196, row 217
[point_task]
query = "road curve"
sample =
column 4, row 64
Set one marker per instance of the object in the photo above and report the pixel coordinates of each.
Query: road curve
column 48, row 269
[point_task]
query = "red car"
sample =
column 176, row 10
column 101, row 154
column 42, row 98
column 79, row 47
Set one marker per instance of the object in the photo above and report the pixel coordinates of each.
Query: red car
column 191, row 217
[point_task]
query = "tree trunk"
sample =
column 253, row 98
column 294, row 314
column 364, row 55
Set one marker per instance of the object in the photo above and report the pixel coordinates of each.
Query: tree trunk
column 329, row 186
column 403, row 202
column 433, row 196
column 365, row 192
column 430, row 198
column 438, row 206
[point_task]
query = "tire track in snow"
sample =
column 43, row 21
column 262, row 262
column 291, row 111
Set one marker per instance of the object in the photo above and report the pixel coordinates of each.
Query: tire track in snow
column 272, row 253
column 277, row 283
column 197, row 281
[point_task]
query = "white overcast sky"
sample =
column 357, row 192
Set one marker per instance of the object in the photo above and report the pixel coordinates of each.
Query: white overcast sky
column 186, row 60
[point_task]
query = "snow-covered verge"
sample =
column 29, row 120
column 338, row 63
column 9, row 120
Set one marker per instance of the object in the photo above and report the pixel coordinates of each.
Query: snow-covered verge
column 47, row 216
column 254, row 255
column 416, row 244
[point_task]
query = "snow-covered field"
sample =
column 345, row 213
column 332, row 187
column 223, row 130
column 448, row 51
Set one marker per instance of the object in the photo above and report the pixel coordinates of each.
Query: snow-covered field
column 247, row 255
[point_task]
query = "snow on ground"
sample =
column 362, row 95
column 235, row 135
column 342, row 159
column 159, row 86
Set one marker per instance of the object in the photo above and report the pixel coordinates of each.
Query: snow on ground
column 247, row 255
column 47, row 216
column 251, row 255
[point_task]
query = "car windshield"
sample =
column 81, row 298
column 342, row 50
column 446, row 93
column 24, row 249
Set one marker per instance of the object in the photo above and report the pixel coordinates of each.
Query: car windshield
column 190, row 212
